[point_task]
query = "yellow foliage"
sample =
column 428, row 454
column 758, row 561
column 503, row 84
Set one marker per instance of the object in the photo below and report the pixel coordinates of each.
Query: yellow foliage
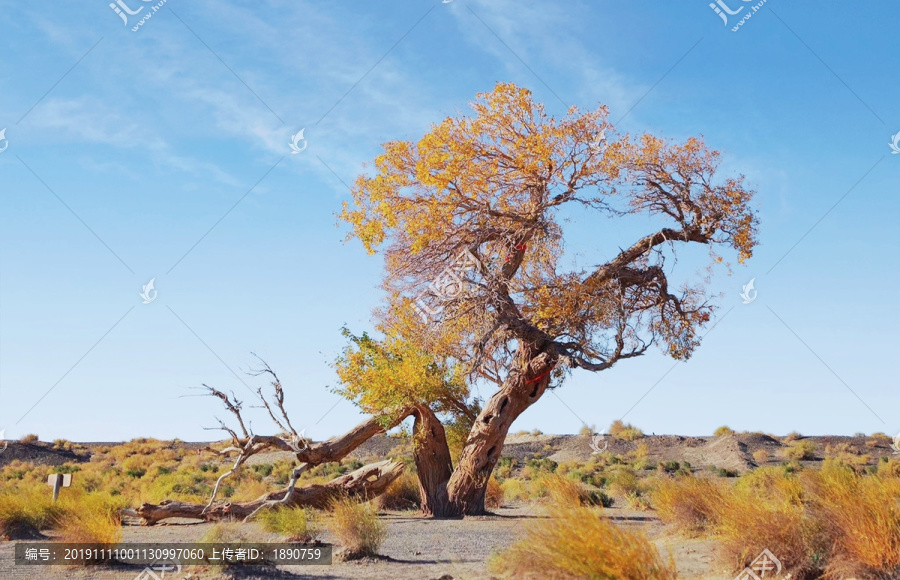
column 575, row 542
column 493, row 182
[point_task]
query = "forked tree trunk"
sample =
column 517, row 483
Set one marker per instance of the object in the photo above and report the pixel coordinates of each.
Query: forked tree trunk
column 366, row 482
column 522, row 389
column 433, row 464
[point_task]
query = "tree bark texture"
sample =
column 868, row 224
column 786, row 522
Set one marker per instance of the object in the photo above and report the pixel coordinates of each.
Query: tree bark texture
column 366, row 482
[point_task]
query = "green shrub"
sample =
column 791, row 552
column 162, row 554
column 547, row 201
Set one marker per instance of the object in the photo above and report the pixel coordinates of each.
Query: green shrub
column 298, row 524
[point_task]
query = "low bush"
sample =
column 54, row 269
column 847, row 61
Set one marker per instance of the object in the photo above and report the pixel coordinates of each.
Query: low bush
column 760, row 456
column 625, row 431
column 792, row 436
column 357, row 527
column 297, row 524
column 623, row 481
column 91, row 519
column 23, row 514
column 402, row 494
column 493, row 498
column 574, row 542
column 802, row 449
column 688, row 504
column 859, row 515
column 723, row 431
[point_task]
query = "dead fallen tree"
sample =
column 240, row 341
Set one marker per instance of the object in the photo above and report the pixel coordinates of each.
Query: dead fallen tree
column 366, row 482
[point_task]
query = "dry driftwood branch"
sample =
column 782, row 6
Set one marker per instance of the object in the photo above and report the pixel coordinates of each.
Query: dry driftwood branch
column 365, row 483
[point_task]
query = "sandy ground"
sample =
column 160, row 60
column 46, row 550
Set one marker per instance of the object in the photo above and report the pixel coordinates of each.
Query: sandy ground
column 416, row 548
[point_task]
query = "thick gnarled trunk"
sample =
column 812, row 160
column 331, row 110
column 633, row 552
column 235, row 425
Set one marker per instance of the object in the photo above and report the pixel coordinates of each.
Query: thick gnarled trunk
column 484, row 445
column 433, row 463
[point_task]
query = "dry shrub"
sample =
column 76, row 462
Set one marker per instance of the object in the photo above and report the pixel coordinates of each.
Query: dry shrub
column 229, row 533
column 723, row 431
column 889, row 467
column 30, row 438
column 24, row 513
column 356, row 526
column 402, row 494
column 641, row 456
column 564, row 491
column 515, row 490
column 623, row 481
column 792, row 436
column 802, row 449
column 574, row 542
column 493, row 498
column 297, row 524
column 762, row 511
column 861, row 517
column 91, row 519
column 689, row 504
column 760, row 456
column 834, row 520
column 624, row 431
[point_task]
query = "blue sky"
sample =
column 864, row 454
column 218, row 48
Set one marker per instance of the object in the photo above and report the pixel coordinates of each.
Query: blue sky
column 163, row 153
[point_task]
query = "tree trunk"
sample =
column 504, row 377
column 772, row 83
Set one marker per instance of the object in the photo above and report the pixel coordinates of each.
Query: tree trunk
column 433, row 463
column 521, row 389
column 366, row 482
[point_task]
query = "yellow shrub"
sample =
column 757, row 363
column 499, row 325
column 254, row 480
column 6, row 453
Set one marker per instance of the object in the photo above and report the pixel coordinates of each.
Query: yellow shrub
column 402, row 494
column 24, row 513
column 765, row 510
column 298, row 524
column 91, row 518
column 493, row 498
column 357, row 527
column 623, row 481
column 625, row 431
column 861, row 517
column 723, row 431
column 802, row 449
column 515, row 490
column 760, row 456
column 689, row 504
column 574, row 542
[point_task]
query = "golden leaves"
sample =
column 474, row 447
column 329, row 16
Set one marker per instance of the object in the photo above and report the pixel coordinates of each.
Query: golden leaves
column 494, row 180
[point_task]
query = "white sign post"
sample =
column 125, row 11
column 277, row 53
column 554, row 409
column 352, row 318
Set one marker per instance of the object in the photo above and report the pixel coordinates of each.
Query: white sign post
column 57, row 480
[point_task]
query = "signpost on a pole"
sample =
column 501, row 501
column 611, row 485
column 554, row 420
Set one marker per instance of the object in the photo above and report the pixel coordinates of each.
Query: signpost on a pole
column 58, row 480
